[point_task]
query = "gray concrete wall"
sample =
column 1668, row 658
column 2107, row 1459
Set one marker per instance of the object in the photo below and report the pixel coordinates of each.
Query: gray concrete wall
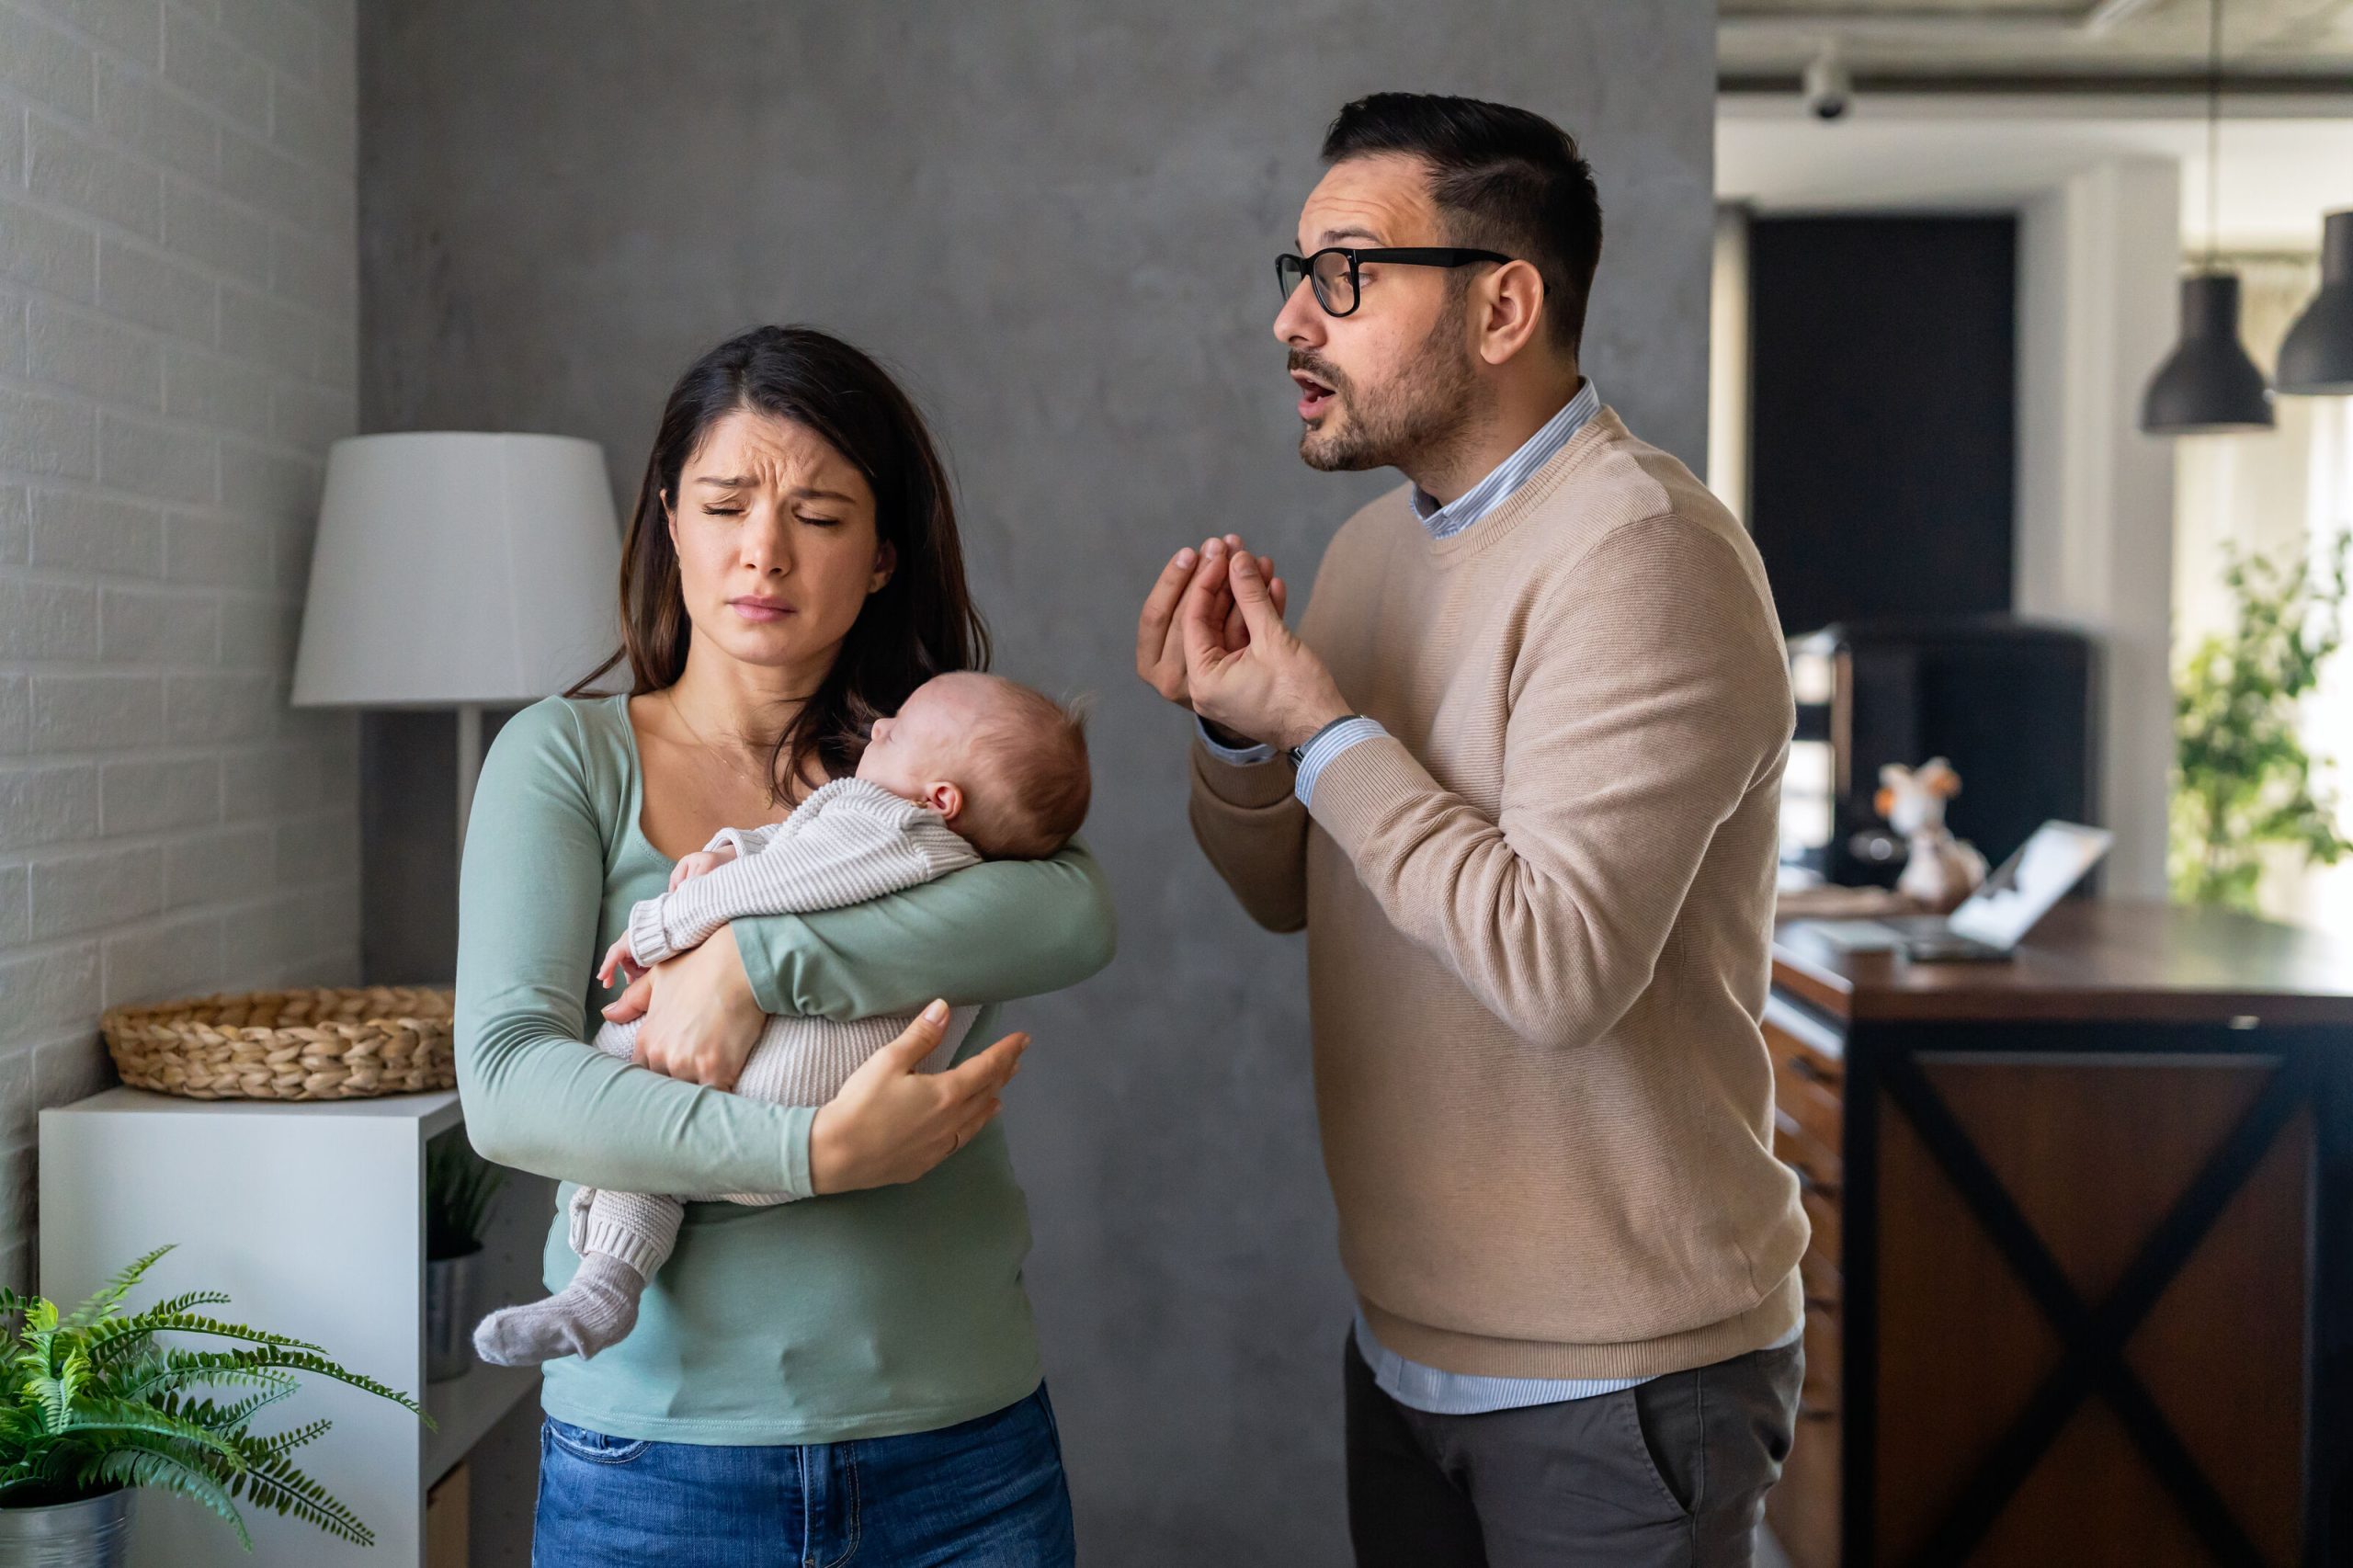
column 178, row 345
column 1058, row 220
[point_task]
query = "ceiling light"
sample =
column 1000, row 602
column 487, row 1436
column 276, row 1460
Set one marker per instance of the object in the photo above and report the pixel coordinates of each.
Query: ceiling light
column 2208, row 385
column 2317, row 359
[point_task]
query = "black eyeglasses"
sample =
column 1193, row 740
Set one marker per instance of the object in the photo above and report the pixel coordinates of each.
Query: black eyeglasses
column 1334, row 270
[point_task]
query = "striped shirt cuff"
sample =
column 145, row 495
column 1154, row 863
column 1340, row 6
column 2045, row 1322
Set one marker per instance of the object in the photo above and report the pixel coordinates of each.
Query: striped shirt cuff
column 1240, row 756
column 1321, row 750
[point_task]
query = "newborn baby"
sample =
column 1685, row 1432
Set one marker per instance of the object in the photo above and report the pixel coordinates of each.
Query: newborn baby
column 974, row 768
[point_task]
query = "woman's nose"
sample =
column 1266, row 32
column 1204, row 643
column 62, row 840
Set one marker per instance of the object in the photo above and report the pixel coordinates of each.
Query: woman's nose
column 769, row 551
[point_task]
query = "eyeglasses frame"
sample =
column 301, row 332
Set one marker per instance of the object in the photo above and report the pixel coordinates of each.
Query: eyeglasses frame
column 1404, row 256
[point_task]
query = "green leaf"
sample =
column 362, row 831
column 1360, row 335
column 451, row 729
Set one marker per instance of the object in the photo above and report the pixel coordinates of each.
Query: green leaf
column 2242, row 781
column 271, row 1480
column 166, row 1471
column 96, row 1399
column 103, row 1303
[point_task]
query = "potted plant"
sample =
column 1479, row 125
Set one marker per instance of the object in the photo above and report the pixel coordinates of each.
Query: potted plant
column 2243, row 780
column 92, row 1406
column 458, row 1187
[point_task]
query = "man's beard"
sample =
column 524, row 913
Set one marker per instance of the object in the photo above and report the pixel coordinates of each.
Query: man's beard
column 1422, row 410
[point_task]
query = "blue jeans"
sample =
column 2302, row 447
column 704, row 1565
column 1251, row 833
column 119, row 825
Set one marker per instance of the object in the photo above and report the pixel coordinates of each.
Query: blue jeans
column 988, row 1492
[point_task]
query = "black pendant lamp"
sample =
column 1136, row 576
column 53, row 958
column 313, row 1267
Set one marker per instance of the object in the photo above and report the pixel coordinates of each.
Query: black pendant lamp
column 2209, row 384
column 2317, row 359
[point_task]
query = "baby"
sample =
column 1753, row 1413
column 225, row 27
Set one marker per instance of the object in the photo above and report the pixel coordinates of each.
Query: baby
column 974, row 768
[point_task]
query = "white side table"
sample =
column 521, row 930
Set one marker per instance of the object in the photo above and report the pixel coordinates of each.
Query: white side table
column 312, row 1217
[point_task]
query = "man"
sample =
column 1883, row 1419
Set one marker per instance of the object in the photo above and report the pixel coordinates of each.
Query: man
column 1518, row 775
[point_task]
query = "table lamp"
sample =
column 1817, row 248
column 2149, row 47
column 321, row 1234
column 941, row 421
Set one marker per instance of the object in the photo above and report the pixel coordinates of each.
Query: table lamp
column 456, row 570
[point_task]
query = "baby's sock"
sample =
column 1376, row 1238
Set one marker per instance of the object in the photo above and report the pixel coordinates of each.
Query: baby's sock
column 595, row 1312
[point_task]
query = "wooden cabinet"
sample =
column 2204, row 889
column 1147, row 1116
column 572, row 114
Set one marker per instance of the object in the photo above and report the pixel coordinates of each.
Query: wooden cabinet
column 1809, row 1134
column 2077, row 1290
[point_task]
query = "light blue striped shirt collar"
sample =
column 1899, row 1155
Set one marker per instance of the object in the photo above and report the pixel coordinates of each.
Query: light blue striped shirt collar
column 1445, row 522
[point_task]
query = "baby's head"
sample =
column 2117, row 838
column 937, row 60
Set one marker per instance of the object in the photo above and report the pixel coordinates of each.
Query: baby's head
column 1006, row 766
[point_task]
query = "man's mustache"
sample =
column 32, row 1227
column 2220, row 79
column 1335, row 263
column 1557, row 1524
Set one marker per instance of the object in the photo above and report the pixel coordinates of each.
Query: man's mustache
column 1310, row 364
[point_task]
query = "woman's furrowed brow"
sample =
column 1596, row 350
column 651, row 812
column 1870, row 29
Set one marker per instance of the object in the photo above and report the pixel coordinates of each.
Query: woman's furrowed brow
column 799, row 493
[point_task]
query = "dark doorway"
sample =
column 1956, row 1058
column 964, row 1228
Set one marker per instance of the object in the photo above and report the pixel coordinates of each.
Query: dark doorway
column 1883, row 414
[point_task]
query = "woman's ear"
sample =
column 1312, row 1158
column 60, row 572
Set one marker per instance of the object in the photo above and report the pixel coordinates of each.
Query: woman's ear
column 886, row 560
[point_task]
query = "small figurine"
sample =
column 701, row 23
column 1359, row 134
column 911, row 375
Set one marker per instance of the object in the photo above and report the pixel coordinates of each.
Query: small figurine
column 1939, row 870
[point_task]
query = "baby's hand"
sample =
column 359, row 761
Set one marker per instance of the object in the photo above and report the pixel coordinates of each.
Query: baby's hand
column 701, row 862
column 618, row 957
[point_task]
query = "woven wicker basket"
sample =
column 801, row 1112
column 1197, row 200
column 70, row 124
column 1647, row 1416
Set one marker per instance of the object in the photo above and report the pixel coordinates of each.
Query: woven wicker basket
column 288, row 1045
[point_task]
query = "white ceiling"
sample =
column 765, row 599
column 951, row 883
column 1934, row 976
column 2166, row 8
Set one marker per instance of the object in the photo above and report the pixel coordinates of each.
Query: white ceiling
column 1919, row 39
column 2279, row 175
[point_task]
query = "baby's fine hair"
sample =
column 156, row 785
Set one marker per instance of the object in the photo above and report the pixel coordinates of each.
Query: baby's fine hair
column 1037, row 747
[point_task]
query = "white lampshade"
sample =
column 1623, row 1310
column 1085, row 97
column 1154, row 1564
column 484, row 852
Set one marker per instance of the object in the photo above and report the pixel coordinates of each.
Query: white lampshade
column 455, row 569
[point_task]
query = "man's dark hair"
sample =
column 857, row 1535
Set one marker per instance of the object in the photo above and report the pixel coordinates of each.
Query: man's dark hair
column 1503, row 179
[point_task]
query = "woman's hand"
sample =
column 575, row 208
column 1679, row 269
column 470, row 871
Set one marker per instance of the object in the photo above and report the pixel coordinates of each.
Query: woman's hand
column 892, row 1124
column 702, row 1019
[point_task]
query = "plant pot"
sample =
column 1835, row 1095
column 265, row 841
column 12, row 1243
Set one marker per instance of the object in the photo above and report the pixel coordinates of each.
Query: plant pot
column 91, row 1533
column 449, row 1315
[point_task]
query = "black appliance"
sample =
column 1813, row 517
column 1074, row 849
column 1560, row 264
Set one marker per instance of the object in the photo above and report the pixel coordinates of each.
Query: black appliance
column 2008, row 702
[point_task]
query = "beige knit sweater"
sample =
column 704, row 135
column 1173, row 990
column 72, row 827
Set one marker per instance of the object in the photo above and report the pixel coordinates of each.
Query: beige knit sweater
column 1538, row 922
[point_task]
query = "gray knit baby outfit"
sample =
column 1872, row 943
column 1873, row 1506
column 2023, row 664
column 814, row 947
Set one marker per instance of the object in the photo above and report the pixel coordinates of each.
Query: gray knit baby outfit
column 849, row 842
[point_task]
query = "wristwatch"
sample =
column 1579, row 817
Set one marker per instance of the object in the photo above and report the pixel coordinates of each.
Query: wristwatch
column 1298, row 754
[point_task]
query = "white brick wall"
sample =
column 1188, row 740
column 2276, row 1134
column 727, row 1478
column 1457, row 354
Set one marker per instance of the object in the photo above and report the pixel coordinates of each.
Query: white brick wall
column 178, row 326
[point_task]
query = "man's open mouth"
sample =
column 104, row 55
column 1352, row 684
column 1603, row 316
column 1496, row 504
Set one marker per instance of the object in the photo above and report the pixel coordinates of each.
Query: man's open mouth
column 1315, row 394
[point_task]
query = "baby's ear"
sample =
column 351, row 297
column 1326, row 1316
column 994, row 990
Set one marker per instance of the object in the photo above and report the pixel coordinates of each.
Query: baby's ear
column 946, row 799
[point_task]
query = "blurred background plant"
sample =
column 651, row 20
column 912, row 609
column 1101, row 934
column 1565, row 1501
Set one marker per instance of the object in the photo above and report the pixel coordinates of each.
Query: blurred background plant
column 458, row 1187
column 2244, row 783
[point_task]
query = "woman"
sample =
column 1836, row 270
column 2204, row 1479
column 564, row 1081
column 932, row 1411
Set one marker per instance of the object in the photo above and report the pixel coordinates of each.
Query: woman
column 856, row 1373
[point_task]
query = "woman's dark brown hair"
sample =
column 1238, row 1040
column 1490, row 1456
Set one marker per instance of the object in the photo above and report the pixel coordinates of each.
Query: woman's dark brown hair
column 919, row 624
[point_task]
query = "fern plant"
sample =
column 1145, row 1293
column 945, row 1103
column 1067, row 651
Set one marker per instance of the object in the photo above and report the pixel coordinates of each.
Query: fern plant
column 2243, row 778
column 91, row 1402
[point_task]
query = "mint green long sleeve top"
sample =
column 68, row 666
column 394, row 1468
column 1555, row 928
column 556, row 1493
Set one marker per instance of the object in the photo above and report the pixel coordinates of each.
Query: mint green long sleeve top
column 861, row 1314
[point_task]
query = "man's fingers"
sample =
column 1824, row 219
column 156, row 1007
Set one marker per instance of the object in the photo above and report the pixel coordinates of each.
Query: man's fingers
column 1252, row 595
column 1202, row 618
column 1160, row 606
column 1281, row 592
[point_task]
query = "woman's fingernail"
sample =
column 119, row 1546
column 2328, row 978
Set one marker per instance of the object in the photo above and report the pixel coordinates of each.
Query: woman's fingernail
column 935, row 1014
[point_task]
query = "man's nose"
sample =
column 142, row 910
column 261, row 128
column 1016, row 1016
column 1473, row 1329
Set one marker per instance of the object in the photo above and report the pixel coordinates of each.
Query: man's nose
column 1301, row 322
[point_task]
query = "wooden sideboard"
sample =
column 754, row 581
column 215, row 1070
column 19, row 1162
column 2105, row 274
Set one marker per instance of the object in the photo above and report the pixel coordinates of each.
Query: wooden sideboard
column 2081, row 1284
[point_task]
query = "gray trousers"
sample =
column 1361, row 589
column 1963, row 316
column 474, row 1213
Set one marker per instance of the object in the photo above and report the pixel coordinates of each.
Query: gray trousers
column 1670, row 1472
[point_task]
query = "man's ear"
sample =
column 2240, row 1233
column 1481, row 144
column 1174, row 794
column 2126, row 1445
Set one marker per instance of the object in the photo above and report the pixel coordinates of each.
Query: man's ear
column 886, row 562
column 1513, row 300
